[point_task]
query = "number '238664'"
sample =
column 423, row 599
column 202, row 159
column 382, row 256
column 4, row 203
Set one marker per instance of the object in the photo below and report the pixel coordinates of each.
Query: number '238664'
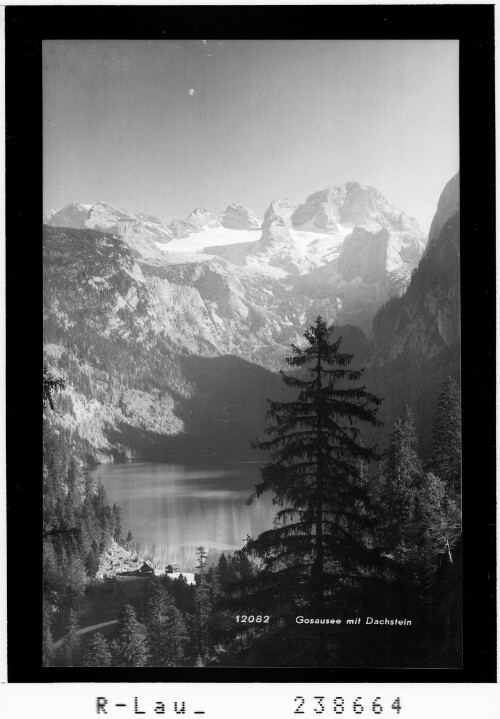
column 339, row 705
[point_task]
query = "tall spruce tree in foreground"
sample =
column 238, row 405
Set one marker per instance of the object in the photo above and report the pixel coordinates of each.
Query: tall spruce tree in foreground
column 314, row 552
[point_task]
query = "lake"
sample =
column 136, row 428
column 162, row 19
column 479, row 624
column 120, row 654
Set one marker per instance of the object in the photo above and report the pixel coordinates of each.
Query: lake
column 172, row 508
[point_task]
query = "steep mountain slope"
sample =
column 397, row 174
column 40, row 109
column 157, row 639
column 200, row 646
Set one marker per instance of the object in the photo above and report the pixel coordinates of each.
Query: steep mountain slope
column 449, row 203
column 132, row 384
column 416, row 337
column 146, row 346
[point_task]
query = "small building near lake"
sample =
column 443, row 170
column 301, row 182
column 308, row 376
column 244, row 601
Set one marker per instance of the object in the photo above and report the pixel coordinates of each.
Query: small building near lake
column 146, row 570
column 172, row 568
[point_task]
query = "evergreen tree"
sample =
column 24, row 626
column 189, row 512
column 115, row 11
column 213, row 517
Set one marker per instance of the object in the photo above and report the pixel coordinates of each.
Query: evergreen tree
column 92, row 560
column 118, row 523
column 401, row 478
column 242, row 565
column 440, row 517
column 131, row 649
column 129, row 541
column 446, row 457
column 75, row 578
column 202, row 554
column 98, row 653
column 314, row 550
column 201, row 621
column 166, row 630
column 51, row 385
column 183, row 594
column 222, row 568
column 71, row 640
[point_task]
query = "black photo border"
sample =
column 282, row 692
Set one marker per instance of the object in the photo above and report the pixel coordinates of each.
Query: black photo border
column 25, row 29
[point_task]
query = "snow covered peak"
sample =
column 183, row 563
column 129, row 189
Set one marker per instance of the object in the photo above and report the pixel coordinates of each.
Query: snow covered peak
column 203, row 219
column 238, row 217
column 351, row 205
column 72, row 215
column 179, row 229
column 278, row 215
column 320, row 211
column 299, row 239
column 140, row 232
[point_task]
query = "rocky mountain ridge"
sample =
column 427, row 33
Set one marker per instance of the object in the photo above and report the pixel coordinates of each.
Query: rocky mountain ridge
column 137, row 333
column 347, row 245
column 140, row 232
column 351, row 205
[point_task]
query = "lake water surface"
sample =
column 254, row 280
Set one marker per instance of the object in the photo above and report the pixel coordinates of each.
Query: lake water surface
column 172, row 508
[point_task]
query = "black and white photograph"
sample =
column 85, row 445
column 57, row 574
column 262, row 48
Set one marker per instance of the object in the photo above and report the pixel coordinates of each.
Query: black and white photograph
column 259, row 327
column 252, row 413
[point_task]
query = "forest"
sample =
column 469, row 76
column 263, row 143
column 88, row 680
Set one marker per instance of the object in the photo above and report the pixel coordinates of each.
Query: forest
column 358, row 533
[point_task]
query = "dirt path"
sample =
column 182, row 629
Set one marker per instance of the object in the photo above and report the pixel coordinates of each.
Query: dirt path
column 127, row 588
column 85, row 630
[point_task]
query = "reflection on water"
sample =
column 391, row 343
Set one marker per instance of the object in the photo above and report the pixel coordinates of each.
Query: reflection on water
column 171, row 509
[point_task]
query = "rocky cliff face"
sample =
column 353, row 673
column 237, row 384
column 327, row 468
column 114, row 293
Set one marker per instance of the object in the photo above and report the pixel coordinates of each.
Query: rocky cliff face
column 352, row 205
column 180, row 229
column 199, row 219
column 202, row 219
column 448, row 205
column 238, row 217
column 426, row 319
column 278, row 220
column 416, row 337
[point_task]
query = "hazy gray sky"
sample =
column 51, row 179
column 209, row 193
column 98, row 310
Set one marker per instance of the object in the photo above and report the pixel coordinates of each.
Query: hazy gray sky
column 162, row 127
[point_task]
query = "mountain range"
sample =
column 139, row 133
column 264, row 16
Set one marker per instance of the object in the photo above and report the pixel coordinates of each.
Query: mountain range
column 137, row 316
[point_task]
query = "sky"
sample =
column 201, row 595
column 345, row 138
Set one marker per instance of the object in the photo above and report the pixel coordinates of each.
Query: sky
column 162, row 127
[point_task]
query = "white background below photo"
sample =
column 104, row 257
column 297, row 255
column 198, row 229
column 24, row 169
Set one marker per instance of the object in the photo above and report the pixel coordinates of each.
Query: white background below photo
column 269, row 701
column 219, row 700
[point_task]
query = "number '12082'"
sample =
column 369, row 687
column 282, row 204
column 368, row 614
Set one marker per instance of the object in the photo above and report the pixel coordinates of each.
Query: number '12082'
column 339, row 705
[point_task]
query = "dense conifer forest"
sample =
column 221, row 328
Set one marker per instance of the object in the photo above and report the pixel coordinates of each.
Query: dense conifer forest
column 359, row 534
